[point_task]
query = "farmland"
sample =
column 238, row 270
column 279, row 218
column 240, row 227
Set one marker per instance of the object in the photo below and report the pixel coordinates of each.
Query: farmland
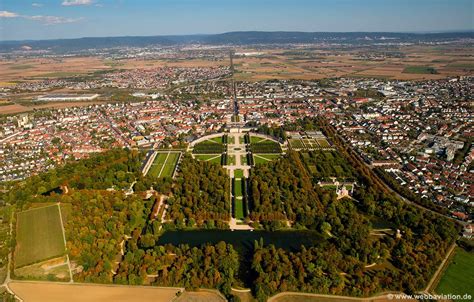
column 39, row 235
column 420, row 70
column 42, row 291
column 164, row 164
column 459, row 276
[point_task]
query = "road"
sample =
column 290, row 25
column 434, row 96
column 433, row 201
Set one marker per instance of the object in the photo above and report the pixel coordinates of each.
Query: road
column 383, row 296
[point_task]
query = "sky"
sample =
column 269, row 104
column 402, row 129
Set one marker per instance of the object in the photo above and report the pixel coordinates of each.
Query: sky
column 52, row 19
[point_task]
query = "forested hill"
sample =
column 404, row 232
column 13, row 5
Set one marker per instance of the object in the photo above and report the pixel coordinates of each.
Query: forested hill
column 234, row 38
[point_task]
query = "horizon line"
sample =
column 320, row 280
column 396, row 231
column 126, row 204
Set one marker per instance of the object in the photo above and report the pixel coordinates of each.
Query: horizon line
column 251, row 31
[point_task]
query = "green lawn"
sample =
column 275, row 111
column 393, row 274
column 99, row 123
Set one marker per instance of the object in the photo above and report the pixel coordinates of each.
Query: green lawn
column 255, row 139
column 267, row 146
column 239, row 208
column 216, row 159
column 206, row 157
column 209, row 147
column 420, row 70
column 170, row 164
column 216, row 140
column 264, row 158
column 238, row 173
column 238, row 188
column 39, row 235
column 164, row 165
column 157, row 164
column 243, row 160
column 459, row 276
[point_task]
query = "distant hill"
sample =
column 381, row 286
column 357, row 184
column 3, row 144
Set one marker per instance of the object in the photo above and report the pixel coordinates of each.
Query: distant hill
column 232, row 38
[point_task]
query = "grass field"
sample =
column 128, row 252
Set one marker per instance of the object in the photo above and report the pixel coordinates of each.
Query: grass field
column 205, row 157
column 420, row 70
column 39, row 235
column 209, row 147
column 239, row 208
column 238, row 173
column 238, row 188
column 238, row 199
column 243, row 160
column 265, row 146
column 216, row 140
column 164, row 164
column 459, row 276
column 255, row 139
column 216, row 159
column 264, row 158
column 155, row 168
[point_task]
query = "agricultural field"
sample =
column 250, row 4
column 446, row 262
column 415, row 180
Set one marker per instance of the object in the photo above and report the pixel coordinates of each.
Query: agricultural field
column 54, row 292
column 310, row 64
column 164, row 164
column 420, row 70
column 209, row 147
column 39, row 235
column 459, row 276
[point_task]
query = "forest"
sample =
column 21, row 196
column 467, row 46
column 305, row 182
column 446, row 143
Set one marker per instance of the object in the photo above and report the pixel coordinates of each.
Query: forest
column 200, row 195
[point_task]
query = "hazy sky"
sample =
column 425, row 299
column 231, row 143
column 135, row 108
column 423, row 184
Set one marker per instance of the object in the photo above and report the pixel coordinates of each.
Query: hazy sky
column 48, row 19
